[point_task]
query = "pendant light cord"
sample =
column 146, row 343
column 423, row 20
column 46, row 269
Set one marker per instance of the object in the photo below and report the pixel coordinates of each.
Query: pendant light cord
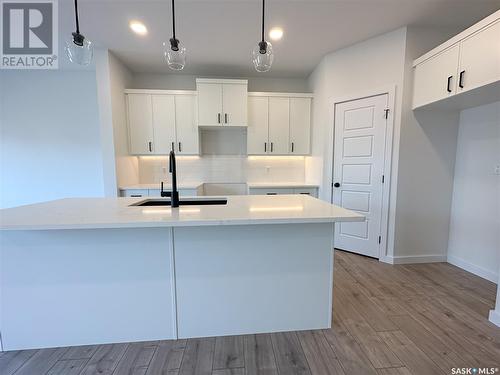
column 173, row 18
column 263, row 8
column 76, row 18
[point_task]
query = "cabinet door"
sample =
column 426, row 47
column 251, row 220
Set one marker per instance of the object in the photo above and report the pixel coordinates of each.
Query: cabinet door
column 209, row 104
column 480, row 59
column 140, row 124
column 234, row 104
column 186, row 128
column 300, row 126
column 279, row 124
column 163, row 123
column 258, row 125
column 436, row 78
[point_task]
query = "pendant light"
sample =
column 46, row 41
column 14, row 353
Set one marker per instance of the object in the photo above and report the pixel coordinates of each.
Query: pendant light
column 174, row 51
column 262, row 54
column 79, row 49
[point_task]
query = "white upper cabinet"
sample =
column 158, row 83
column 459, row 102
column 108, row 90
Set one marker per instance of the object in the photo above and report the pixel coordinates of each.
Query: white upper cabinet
column 209, row 104
column 186, row 126
column 480, row 59
column 279, row 124
column 467, row 63
column 300, row 126
column 436, row 78
column 140, row 124
column 163, row 109
column 258, row 125
column 161, row 121
column 222, row 102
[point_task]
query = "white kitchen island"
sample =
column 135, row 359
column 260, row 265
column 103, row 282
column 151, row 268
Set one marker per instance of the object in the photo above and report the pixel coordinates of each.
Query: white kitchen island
column 99, row 270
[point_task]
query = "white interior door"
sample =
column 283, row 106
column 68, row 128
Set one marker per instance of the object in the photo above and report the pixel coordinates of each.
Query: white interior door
column 163, row 123
column 279, row 126
column 358, row 162
column 185, row 125
column 258, row 126
column 140, row 123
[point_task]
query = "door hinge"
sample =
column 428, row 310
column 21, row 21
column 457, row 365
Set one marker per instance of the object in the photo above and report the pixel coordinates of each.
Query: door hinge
column 386, row 113
column 383, row 178
column 379, row 239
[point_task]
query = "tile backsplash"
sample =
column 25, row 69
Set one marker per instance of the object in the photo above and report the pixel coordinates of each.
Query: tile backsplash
column 224, row 169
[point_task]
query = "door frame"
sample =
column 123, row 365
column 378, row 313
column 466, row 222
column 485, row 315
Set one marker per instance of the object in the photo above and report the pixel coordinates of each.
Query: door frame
column 390, row 91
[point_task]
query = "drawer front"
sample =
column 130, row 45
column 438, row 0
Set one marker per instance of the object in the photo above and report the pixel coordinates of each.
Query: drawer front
column 275, row 191
column 136, row 193
column 313, row 192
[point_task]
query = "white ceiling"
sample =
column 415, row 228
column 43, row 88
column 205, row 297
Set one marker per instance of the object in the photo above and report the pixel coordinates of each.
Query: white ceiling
column 220, row 34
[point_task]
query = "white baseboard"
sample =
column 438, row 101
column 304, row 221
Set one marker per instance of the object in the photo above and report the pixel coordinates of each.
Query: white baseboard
column 413, row 259
column 472, row 268
column 495, row 317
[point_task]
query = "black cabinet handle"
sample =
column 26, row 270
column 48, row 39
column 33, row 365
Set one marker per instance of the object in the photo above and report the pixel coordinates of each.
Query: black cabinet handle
column 225, row 118
column 150, row 146
column 271, row 193
column 292, row 146
column 173, row 146
column 461, row 79
column 218, row 118
column 265, row 146
column 336, row 184
column 135, row 195
column 272, row 146
column 180, row 147
column 448, row 88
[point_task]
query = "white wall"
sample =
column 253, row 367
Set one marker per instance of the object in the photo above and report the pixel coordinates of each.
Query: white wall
column 474, row 242
column 188, row 82
column 50, row 136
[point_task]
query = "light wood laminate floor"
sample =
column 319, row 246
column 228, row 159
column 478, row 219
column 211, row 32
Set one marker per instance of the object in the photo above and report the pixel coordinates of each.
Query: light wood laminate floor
column 388, row 320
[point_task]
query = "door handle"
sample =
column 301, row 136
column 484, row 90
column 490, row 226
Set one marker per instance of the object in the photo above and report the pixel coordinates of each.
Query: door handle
column 461, row 79
column 272, row 146
column 225, row 118
column 292, row 146
column 337, row 184
column 150, row 146
column 180, row 147
column 218, row 118
column 448, row 88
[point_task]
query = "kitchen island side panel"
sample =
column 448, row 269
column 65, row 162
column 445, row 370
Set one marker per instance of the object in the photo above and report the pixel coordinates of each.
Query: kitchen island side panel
column 93, row 286
column 254, row 278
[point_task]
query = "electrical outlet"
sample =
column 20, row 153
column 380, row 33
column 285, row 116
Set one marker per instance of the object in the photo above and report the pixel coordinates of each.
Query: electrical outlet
column 497, row 170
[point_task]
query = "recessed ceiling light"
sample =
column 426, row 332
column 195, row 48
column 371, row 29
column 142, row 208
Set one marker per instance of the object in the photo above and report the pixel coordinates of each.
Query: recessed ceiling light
column 276, row 33
column 138, row 27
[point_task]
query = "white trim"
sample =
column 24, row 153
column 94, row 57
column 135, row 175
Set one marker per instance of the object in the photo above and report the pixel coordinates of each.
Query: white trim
column 219, row 80
column 161, row 92
column 390, row 90
column 282, row 94
column 486, row 22
column 495, row 317
column 472, row 268
column 411, row 259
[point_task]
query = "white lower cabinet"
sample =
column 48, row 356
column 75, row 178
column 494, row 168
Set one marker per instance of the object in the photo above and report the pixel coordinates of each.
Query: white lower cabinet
column 161, row 121
column 137, row 193
column 312, row 191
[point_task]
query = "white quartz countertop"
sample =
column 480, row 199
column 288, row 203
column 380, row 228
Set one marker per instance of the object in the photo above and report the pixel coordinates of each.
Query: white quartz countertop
column 90, row 213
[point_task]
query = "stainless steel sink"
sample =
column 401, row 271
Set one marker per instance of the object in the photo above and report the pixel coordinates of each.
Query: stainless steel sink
column 183, row 202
